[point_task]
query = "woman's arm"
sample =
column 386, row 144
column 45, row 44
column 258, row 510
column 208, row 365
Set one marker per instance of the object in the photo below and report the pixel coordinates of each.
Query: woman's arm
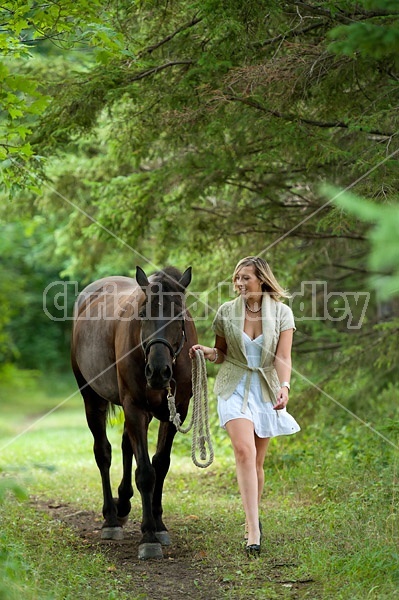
column 282, row 364
column 215, row 354
column 221, row 347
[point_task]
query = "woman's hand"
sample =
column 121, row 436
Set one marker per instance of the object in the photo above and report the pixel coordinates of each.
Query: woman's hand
column 282, row 399
column 209, row 353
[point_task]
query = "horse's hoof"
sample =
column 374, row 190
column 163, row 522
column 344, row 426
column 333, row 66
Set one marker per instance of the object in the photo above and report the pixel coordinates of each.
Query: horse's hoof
column 123, row 520
column 112, row 533
column 163, row 537
column 150, row 550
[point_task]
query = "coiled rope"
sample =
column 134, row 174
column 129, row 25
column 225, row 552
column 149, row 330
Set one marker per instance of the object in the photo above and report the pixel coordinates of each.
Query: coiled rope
column 200, row 416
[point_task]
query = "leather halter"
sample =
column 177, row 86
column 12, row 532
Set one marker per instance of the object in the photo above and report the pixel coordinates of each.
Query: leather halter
column 146, row 347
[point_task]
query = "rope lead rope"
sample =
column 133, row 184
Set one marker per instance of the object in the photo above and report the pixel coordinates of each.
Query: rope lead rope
column 200, row 417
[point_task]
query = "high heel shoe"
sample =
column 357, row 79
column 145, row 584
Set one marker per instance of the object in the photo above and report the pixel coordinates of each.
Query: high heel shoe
column 253, row 550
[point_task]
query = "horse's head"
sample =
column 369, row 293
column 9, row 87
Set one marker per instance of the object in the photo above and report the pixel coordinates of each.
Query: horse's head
column 162, row 315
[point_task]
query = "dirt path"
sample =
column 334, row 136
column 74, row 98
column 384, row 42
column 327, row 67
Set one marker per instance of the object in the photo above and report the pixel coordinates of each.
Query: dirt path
column 181, row 574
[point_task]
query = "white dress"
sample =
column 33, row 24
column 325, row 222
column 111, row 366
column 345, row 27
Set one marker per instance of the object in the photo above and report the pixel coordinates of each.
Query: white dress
column 267, row 421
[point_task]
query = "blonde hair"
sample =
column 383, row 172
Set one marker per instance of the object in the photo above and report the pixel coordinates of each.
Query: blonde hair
column 264, row 273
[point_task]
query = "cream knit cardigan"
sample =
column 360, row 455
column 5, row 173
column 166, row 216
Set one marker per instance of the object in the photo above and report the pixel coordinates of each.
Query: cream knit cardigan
column 229, row 323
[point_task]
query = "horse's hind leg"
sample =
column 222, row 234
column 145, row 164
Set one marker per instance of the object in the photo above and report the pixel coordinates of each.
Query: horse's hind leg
column 96, row 415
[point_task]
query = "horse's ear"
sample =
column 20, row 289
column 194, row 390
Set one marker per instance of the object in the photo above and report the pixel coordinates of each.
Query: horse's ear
column 141, row 278
column 185, row 278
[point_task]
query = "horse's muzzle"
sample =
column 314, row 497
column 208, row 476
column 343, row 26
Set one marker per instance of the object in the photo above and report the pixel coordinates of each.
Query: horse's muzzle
column 158, row 378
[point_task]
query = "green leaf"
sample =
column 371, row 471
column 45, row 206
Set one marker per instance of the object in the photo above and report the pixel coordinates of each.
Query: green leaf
column 383, row 236
column 26, row 150
column 14, row 112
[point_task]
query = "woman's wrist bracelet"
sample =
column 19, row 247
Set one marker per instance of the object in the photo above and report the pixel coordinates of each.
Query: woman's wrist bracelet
column 285, row 384
column 216, row 356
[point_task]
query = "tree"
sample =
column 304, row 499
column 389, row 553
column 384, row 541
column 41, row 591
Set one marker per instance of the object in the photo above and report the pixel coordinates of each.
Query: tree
column 31, row 337
column 28, row 29
column 203, row 133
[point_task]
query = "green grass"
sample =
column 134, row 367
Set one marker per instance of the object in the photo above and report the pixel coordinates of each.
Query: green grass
column 329, row 512
column 49, row 561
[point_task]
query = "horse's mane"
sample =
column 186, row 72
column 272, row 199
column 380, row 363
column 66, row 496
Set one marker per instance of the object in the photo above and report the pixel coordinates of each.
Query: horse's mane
column 169, row 278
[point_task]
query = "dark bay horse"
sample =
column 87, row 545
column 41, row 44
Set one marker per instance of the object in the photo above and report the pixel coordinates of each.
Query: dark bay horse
column 130, row 344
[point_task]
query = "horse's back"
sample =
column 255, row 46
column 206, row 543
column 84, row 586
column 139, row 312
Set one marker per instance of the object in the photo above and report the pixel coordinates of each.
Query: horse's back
column 98, row 308
column 106, row 285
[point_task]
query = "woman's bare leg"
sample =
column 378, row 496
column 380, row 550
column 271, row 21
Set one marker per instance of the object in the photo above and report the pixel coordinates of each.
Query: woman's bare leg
column 262, row 445
column 241, row 432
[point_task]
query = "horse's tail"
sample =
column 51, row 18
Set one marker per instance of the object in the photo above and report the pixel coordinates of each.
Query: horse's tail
column 115, row 414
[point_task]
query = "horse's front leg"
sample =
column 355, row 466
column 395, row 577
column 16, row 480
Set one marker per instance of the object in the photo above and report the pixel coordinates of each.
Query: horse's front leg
column 125, row 489
column 161, row 464
column 137, row 423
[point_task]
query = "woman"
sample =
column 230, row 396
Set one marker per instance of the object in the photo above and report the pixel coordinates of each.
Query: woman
column 253, row 344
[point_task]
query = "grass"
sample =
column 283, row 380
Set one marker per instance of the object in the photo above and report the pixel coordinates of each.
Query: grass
column 329, row 512
column 49, row 562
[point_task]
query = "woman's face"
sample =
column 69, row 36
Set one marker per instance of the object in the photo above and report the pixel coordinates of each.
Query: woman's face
column 247, row 283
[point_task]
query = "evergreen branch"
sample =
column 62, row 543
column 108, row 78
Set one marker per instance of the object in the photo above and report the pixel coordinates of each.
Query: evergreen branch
column 320, row 11
column 307, row 235
column 329, row 236
column 211, row 211
column 244, row 186
column 159, row 68
column 169, row 37
column 290, row 117
column 272, row 229
column 292, row 33
column 343, row 16
column 356, row 269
